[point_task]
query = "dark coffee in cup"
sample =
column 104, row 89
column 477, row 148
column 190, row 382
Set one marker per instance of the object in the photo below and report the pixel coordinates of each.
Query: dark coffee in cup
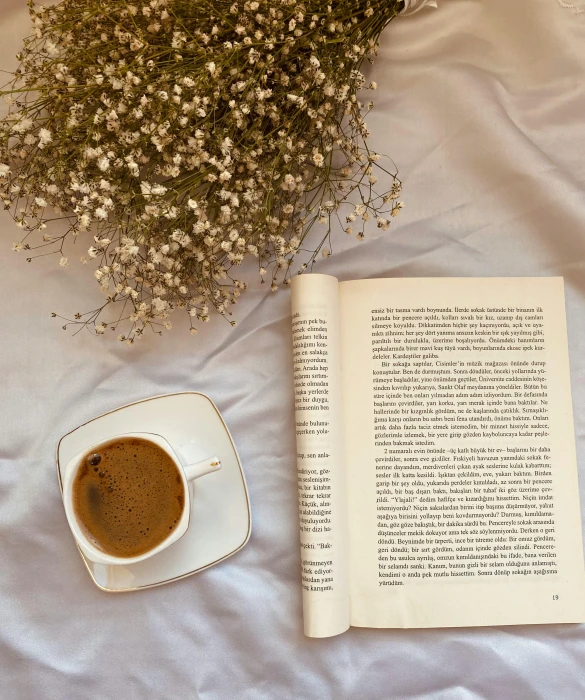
column 128, row 497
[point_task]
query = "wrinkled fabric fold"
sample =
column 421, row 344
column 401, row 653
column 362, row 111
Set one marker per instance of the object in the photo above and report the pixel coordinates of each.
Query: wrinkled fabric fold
column 413, row 6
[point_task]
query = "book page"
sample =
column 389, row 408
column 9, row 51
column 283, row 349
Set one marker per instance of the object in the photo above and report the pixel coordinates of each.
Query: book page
column 320, row 464
column 460, row 453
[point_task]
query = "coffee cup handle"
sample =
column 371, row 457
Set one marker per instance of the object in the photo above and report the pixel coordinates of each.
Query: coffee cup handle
column 206, row 466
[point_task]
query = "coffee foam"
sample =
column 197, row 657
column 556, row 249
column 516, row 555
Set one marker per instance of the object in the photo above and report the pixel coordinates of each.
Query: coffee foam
column 130, row 501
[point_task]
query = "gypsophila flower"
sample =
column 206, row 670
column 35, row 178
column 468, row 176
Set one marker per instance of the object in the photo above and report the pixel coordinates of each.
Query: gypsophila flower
column 23, row 126
column 45, row 137
column 178, row 139
column 318, row 159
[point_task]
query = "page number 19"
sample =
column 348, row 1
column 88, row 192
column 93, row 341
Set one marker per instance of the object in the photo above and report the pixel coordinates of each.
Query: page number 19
column 555, row 597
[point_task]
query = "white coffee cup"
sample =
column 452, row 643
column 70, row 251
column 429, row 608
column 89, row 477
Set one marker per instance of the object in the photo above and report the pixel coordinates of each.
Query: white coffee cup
column 188, row 473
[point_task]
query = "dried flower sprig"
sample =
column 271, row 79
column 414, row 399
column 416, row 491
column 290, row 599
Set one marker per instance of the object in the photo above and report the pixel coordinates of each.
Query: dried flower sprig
column 187, row 135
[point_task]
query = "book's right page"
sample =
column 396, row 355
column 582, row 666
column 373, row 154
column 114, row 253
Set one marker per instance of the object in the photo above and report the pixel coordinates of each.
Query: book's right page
column 459, row 444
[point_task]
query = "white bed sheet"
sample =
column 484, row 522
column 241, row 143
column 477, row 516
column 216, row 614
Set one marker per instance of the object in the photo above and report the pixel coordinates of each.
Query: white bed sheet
column 481, row 103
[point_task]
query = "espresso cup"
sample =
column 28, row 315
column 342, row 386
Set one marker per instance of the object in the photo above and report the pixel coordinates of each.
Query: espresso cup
column 188, row 473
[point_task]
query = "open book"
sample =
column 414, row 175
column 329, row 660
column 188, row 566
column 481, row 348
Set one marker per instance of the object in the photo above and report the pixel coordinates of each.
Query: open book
column 436, row 456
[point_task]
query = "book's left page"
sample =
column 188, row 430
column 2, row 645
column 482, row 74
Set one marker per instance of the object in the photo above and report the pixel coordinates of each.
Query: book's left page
column 320, row 462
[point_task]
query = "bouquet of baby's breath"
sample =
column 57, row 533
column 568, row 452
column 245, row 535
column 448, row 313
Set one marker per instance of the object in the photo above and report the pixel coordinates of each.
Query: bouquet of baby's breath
column 181, row 136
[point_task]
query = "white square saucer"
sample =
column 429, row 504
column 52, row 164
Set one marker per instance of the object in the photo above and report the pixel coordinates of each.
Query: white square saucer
column 220, row 515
